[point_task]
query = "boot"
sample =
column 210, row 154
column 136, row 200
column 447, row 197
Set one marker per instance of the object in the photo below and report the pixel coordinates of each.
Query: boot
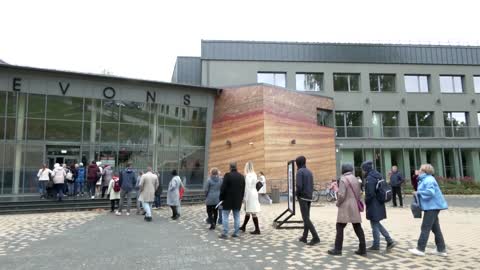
column 245, row 221
column 257, row 228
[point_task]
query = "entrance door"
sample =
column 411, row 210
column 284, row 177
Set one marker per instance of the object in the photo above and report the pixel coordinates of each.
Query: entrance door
column 62, row 155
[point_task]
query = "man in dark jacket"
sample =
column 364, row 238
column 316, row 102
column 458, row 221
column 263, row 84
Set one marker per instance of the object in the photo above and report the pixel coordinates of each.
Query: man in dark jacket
column 127, row 180
column 92, row 177
column 231, row 196
column 396, row 181
column 375, row 209
column 304, row 190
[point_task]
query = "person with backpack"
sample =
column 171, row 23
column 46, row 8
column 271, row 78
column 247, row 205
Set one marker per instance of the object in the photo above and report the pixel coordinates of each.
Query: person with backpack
column 127, row 182
column 80, row 181
column 348, row 200
column 43, row 176
column 376, row 194
column 431, row 202
column 396, row 181
column 113, row 192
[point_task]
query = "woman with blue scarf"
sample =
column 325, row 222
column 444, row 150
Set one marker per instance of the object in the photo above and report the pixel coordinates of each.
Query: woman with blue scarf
column 431, row 201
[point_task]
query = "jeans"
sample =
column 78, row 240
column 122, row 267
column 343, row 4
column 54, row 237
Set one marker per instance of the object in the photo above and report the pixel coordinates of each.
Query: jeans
column 79, row 187
column 138, row 203
column 397, row 191
column 112, row 204
column 212, row 215
column 71, row 188
column 377, row 228
column 59, row 190
column 148, row 209
column 124, row 194
column 431, row 222
column 357, row 227
column 91, row 188
column 236, row 221
column 158, row 201
column 220, row 216
column 307, row 223
column 42, row 187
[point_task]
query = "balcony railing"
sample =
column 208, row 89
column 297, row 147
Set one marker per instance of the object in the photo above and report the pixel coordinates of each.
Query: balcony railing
column 408, row 132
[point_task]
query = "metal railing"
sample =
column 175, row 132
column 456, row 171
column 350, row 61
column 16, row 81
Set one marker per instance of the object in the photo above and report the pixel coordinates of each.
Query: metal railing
column 407, row 132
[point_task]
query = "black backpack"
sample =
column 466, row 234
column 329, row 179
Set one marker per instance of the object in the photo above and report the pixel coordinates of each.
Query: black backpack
column 383, row 191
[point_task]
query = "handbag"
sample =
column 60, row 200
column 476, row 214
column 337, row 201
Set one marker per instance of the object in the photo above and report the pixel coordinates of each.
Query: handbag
column 259, row 186
column 415, row 207
column 360, row 205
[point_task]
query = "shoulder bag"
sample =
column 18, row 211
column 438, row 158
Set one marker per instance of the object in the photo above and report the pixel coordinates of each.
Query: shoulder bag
column 360, row 205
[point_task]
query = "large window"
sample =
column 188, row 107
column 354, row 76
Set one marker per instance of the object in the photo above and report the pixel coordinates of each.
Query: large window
column 346, row 82
column 455, row 124
column 348, row 124
column 420, row 124
column 273, row 78
column 309, row 81
column 385, row 124
column 324, row 118
column 416, row 83
column 476, row 83
column 451, row 84
column 382, row 82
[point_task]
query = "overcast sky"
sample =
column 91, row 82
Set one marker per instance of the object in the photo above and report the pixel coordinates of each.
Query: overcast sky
column 141, row 39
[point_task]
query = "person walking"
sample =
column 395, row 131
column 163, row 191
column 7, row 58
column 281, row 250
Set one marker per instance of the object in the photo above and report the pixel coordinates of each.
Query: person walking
column 92, row 177
column 432, row 202
column 348, row 194
column 80, row 181
column 173, row 194
column 98, row 184
column 252, row 205
column 138, row 203
column 128, row 179
column 58, row 175
column 376, row 211
column 304, row 194
column 43, row 176
column 158, row 196
column 396, row 181
column 212, row 195
column 232, row 193
column 414, row 180
column 263, row 197
column 106, row 178
column 148, row 185
column 113, row 192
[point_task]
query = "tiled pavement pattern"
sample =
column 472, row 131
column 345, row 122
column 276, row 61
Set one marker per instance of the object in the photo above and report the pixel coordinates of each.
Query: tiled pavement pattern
column 17, row 232
column 99, row 240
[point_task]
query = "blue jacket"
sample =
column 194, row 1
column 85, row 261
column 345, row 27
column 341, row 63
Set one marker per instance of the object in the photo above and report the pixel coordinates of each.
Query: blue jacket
column 429, row 193
column 375, row 209
column 128, row 179
column 396, row 179
column 81, row 174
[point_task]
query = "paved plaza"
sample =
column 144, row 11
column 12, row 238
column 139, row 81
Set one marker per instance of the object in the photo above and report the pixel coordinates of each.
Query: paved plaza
column 100, row 240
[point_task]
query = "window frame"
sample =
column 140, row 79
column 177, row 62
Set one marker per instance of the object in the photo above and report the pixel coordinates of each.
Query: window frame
column 419, row 89
column 345, row 125
column 332, row 118
column 349, row 75
column 377, row 77
column 274, row 73
column 452, row 80
column 320, row 88
column 476, row 86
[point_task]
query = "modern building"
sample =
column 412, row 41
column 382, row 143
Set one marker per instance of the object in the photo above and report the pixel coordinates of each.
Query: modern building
column 49, row 116
column 394, row 104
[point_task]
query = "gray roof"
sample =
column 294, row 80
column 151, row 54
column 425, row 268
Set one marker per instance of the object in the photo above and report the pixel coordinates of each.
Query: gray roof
column 340, row 52
column 188, row 70
column 3, row 62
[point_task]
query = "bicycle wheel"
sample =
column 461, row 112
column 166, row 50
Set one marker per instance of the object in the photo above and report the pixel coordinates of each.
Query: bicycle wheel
column 315, row 196
column 330, row 197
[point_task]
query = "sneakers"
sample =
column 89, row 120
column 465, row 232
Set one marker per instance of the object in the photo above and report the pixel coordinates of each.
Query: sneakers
column 438, row 253
column 373, row 248
column 335, row 252
column 303, row 239
column 118, row 213
column 417, row 252
column 128, row 214
column 223, row 236
column 93, row 197
column 391, row 245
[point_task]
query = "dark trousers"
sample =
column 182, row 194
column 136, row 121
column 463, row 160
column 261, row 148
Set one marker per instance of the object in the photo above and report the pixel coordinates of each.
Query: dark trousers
column 104, row 189
column 174, row 211
column 91, row 187
column 158, row 201
column 307, row 223
column 431, row 223
column 357, row 227
column 112, row 204
column 212, row 214
column 59, row 190
column 397, row 191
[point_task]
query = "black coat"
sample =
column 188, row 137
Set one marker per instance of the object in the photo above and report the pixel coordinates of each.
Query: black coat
column 232, row 191
column 375, row 209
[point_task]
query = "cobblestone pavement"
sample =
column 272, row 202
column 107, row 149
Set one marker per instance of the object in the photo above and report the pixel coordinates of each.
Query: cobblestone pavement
column 99, row 240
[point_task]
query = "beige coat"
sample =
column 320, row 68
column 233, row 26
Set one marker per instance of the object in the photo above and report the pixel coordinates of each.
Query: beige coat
column 148, row 185
column 113, row 195
column 346, row 202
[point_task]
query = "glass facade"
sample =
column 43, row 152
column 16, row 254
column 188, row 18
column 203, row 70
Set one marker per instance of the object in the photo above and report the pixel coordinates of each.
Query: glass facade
column 37, row 129
column 451, row 84
column 346, row 82
column 309, row 81
column 416, row 83
column 277, row 79
column 349, row 124
column 455, row 124
column 382, row 82
column 420, row 124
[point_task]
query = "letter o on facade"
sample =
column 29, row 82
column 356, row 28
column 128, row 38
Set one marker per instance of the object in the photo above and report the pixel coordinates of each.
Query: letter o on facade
column 109, row 92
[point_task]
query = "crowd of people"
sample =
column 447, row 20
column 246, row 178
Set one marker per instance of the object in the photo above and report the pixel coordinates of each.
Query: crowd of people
column 226, row 195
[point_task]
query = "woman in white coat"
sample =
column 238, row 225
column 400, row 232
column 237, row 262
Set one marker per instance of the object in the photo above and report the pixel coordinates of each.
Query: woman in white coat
column 252, row 205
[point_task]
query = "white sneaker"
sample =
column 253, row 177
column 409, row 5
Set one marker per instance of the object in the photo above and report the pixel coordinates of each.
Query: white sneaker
column 417, row 252
column 118, row 213
column 438, row 253
column 93, row 197
column 128, row 214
